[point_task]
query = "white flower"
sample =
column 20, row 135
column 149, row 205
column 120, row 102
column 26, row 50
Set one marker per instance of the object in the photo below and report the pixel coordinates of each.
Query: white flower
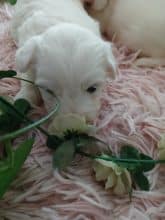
column 161, row 148
column 62, row 123
column 116, row 178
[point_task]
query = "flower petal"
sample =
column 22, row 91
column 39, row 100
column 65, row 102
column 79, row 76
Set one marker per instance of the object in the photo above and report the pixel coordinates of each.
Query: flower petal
column 62, row 123
column 161, row 143
column 101, row 171
column 110, row 164
column 119, row 189
column 127, row 181
column 162, row 154
column 111, row 181
column 161, row 148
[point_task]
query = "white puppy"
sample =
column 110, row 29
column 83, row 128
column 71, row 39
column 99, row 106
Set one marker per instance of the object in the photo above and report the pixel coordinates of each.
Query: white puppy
column 60, row 48
column 139, row 24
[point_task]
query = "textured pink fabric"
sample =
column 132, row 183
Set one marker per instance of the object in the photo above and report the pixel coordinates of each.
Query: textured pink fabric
column 133, row 111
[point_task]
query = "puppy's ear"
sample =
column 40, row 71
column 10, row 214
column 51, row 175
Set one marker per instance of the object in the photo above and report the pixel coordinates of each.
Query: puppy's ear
column 111, row 64
column 26, row 55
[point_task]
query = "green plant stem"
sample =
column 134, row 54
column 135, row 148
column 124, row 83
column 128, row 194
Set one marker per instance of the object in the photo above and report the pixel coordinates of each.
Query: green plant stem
column 119, row 159
column 26, row 80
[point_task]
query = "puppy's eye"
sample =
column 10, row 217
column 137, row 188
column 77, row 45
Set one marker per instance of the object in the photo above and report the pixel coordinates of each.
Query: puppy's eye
column 91, row 89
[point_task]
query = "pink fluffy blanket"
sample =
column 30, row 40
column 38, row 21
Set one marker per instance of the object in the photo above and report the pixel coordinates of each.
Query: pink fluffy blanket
column 133, row 111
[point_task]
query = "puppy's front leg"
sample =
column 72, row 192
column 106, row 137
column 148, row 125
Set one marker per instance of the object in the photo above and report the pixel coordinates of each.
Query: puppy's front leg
column 28, row 91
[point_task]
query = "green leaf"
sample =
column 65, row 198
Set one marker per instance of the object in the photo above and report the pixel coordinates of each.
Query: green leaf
column 5, row 123
column 53, row 141
column 83, row 140
column 4, row 165
column 3, row 107
column 9, row 151
column 141, row 180
column 22, row 106
column 129, row 166
column 7, row 161
column 32, row 124
column 64, row 155
column 12, row 2
column 12, row 115
column 7, row 74
column 19, row 156
column 145, row 167
column 129, row 152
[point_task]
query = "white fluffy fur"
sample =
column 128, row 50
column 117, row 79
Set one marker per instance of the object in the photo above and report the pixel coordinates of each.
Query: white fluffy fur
column 59, row 47
column 139, row 24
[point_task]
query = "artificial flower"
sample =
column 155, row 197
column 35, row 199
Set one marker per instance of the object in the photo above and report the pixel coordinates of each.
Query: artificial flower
column 116, row 178
column 161, row 148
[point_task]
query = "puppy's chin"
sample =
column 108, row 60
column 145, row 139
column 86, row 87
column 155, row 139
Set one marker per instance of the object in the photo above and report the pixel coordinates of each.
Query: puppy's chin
column 89, row 117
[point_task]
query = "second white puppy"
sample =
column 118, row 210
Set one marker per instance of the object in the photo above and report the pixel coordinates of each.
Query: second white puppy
column 60, row 48
column 139, row 24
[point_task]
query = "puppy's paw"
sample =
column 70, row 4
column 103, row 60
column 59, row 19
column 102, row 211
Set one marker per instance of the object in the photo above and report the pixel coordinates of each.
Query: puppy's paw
column 31, row 95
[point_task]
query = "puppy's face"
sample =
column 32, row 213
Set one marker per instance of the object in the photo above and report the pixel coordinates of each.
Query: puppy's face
column 73, row 63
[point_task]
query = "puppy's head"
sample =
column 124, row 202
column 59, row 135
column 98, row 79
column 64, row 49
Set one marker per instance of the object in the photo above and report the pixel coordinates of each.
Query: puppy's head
column 73, row 63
